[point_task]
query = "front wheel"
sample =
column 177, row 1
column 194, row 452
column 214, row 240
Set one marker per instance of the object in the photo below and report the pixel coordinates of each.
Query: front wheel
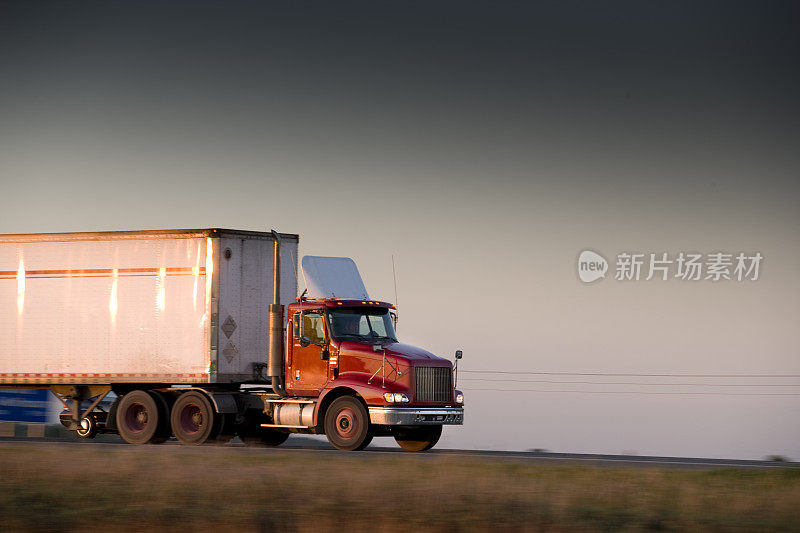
column 347, row 424
column 418, row 439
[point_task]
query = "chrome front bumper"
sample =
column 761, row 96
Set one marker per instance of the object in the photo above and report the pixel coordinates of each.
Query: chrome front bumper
column 410, row 416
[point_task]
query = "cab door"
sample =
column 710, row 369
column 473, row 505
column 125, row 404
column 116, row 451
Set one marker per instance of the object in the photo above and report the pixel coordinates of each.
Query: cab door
column 308, row 366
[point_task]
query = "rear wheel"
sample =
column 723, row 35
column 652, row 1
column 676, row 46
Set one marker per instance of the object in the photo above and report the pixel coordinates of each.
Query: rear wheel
column 138, row 418
column 193, row 419
column 418, row 439
column 163, row 432
column 227, row 429
column 347, row 424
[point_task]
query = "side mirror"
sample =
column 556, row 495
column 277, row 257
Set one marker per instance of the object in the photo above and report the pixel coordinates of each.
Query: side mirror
column 304, row 342
column 459, row 354
column 394, row 319
column 300, row 326
column 296, row 325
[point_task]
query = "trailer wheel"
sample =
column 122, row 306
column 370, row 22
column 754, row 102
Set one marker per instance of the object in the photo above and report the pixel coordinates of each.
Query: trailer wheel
column 163, row 431
column 193, row 419
column 347, row 424
column 87, row 429
column 138, row 418
column 418, row 439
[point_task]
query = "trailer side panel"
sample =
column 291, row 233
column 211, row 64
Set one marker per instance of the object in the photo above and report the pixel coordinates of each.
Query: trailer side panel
column 245, row 292
column 103, row 311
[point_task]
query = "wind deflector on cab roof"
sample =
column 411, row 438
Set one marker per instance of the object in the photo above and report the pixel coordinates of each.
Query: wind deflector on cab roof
column 333, row 277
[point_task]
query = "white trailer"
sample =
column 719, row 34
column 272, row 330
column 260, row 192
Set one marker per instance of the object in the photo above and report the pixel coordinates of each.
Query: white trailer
column 142, row 312
column 182, row 306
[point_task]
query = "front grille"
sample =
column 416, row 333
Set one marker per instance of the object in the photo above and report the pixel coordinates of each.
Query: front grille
column 433, row 384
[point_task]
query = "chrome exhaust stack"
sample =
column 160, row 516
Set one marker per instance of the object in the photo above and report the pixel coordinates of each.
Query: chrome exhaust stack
column 275, row 362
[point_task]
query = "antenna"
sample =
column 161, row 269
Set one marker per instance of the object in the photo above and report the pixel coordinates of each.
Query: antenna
column 394, row 275
column 396, row 303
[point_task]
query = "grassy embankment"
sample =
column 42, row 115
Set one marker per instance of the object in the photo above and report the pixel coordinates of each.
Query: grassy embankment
column 77, row 487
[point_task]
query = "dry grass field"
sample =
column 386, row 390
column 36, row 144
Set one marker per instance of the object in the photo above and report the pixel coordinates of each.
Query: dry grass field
column 125, row 488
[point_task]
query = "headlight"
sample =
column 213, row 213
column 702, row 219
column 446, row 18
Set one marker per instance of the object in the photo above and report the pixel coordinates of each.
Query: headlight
column 395, row 397
column 459, row 398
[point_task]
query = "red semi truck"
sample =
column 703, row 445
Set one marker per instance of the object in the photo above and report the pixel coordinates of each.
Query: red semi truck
column 200, row 335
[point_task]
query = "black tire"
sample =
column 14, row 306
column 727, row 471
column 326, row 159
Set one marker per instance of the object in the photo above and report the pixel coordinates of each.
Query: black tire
column 367, row 441
column 87, row 428
column 164, row 431
column 111, row 418
column 418, row 439
column 347, row 424
column 252, row 434
column 193, row 419
column 138, row 419
column 226, row 430
column 263, row 437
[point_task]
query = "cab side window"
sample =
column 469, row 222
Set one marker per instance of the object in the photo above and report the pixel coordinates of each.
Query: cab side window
column 313, row 328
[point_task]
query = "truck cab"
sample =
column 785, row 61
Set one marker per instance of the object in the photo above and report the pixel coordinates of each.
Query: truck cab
column 344, row 355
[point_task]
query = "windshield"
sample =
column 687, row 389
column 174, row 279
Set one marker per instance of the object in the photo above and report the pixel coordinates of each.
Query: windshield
column 361, row 324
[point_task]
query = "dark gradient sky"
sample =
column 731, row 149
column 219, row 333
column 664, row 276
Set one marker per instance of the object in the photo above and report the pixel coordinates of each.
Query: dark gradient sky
column 484, row 146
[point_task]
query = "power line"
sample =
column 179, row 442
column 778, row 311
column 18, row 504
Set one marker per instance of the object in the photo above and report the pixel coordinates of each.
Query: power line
column 640, row 375
column 681, row 393
column 559, row 382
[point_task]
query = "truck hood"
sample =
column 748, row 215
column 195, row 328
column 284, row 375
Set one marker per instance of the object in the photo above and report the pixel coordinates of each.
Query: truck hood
column 412, row 354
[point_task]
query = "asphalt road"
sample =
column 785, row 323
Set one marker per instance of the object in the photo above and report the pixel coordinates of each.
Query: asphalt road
column 303, row 445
